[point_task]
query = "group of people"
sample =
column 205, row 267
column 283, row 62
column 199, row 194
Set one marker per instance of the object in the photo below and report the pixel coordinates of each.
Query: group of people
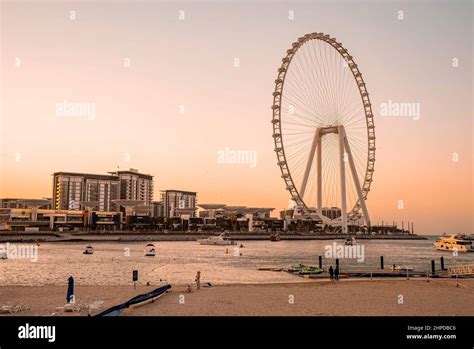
column 334, row 273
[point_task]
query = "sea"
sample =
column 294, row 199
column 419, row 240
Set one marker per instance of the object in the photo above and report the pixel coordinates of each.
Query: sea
column 177, row 262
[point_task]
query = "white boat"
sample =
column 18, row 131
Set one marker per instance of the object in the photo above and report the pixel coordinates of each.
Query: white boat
column 216, row 240
column 350, row 241
column 150, row 250
column 459, row 243
column 402, row 268
column 88, row 250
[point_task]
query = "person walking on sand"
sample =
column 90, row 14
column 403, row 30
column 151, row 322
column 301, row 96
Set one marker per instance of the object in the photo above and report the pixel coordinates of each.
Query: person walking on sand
column 336, row 273
column 331, row 273
column 198, row 280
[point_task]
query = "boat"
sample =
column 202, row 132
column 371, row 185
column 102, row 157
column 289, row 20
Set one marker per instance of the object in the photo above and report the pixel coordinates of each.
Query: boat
column 3, row 255
column 402, row 268
column 136, row 302
column 89, row 250
column 454, row 242
column 150, row 250
column 216, row 240
column 350, row 241
column 275, row 237
column 302, row 269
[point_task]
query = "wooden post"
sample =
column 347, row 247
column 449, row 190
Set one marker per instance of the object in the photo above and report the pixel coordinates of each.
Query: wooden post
column 442, row 263
column 320, row 262
column 433, row 269
column 381, row 262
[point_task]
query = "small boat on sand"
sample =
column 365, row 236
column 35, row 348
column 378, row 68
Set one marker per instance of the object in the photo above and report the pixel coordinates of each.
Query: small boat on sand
column 136, row 302
column 216, row 240
column 150, row 250
column 89, row 250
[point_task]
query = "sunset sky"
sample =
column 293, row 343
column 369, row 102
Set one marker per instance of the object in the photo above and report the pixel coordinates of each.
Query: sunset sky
column 181, row 100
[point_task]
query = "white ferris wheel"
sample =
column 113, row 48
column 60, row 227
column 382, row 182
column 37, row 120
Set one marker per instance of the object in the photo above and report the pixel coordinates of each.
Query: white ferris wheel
column 323, row 130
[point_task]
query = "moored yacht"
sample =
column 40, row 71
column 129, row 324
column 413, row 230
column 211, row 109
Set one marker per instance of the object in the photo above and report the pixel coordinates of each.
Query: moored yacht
column 89, row 250
column 216, row 240
column 453, row 242
column 350, row 241
column 150, row 250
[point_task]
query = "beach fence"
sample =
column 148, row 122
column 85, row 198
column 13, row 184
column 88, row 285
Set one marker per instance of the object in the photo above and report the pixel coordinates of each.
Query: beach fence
column 461, row 270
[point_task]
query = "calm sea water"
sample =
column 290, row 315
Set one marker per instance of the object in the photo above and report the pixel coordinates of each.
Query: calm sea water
column 177, row 262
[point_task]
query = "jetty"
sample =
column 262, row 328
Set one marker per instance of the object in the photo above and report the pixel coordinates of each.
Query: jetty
column 318, row 272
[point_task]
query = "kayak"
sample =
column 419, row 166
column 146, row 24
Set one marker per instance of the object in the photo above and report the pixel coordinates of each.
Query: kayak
column 136, row 302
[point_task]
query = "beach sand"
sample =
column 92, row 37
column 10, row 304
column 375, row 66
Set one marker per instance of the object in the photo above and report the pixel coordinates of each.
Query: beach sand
column 323, row 298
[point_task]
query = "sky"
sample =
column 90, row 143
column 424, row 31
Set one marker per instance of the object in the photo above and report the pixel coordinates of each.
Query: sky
column 170, row 85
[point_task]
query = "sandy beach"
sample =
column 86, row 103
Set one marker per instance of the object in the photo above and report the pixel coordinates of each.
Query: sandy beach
column 322, row 298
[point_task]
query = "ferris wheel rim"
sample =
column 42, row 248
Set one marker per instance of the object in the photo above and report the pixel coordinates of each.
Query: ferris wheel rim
column 277, row 128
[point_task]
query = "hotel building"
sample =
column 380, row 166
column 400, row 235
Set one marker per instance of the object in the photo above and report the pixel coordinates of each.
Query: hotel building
column 178, row 202
column 135, row 186
column 70, row 189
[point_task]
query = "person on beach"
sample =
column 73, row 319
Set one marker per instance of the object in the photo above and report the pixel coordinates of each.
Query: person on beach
column 331, row 273
column 198, row 280
column 336, row 273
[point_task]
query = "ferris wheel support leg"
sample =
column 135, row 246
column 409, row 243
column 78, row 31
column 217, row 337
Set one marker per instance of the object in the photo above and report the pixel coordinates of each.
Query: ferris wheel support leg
column 319, row 174
column 343, row 180
column 310, row 162
column 356, row 181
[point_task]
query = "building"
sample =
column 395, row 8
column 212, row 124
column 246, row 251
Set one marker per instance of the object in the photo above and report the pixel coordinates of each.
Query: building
column 45, row 203
column 177, row 203
column 75, row 191
column 135, row 186
column 331, row 212
column 72, row 190
column 241, row 218
column 158, row 210
column 28, row 219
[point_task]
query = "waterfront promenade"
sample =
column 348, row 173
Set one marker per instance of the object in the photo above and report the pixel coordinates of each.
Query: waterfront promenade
column 122, row 236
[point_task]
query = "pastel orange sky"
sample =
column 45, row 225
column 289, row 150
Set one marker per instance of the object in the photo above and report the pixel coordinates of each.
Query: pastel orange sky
column 190, row 62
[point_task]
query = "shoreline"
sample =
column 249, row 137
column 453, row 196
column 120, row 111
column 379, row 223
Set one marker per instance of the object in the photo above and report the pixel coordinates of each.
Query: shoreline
column 159, row 236
column 303, row 298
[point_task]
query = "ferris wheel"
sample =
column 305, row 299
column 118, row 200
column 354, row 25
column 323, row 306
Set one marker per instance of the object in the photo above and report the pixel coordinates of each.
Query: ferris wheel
column 323, row 129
